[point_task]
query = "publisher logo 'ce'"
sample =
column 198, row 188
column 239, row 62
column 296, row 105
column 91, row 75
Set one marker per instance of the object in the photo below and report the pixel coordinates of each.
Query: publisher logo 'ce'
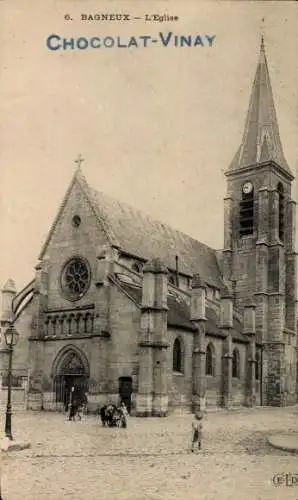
column 285, row 479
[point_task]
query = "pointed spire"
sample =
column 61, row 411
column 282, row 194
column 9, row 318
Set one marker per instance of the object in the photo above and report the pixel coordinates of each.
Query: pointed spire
column 261, row 139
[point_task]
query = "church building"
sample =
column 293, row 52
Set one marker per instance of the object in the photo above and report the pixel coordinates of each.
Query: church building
column 125, row 307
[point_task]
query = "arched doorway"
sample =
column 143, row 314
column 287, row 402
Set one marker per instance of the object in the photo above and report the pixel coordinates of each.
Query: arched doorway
column 71, row 376
column 125, row 391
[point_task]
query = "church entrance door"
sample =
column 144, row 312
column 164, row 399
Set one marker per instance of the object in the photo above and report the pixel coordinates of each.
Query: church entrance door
column 125, row 391
column 70, row 379
column 75, row 384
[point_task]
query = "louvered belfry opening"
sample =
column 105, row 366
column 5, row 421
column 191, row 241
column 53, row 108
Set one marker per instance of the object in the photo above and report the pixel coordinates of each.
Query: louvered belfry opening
column 247, row 214
column 281, row 211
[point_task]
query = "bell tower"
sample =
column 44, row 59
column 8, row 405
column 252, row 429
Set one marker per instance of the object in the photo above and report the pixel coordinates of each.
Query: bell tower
column 259, row 238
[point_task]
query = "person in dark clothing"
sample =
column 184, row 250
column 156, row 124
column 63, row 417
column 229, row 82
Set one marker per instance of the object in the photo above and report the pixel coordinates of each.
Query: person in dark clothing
column 72, row 411
column 73, row 404
column 197, row 428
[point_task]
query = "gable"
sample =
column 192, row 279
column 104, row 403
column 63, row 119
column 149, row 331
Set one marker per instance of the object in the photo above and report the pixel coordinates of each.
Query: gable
column 137, row 234
column 75, row 202
column 67, row 240
column 77, row 225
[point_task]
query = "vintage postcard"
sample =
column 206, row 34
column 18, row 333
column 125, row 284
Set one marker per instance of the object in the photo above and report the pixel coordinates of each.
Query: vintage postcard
column 148, row 250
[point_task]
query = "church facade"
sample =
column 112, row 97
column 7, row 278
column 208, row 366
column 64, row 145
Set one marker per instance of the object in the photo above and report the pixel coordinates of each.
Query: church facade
column 125, row 307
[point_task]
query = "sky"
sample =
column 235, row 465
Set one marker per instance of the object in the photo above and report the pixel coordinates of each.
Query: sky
column 157, row 127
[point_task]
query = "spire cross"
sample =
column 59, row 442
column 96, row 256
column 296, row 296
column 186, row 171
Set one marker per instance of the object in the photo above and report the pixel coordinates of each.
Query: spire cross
column 79, row 160
column 262, row 34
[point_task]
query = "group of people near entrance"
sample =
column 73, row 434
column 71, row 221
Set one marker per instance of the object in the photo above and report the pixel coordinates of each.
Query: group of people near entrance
column 77, row 405
column 110, row 414
column 113, row 416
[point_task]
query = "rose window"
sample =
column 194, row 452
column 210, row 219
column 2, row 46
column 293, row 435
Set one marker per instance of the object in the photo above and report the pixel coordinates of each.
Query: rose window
column 75, row 278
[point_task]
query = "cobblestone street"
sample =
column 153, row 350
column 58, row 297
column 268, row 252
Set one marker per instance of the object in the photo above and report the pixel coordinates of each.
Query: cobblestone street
column 150, row 459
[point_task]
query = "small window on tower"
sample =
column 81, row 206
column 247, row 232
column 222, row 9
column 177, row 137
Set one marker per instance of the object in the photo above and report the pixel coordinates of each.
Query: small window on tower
column 247, row 210
column 281, row 211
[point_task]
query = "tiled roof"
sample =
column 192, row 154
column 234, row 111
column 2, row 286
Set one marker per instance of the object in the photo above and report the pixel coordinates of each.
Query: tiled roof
column 179, row 314
column 139, row 235
column 212, row 327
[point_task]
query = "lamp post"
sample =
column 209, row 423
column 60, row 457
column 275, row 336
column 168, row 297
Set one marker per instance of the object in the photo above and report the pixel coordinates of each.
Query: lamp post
column 11, row 339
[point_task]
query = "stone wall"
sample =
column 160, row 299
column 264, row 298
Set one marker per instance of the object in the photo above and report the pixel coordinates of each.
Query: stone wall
column 180, row 384
column 23, row 325
column 122, row 347
column 214, row 382
column 68, row 241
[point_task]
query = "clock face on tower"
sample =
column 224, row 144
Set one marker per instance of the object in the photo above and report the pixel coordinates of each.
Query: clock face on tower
column 247, row 187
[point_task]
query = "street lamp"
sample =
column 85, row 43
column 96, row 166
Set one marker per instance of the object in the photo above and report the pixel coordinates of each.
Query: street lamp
column 11, row 339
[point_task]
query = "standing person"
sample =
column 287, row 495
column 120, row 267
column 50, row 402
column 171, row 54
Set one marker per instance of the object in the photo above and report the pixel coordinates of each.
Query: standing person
column 124, row 415
column 72, row 405
column 124, row 409
column 73, row 410
column 85, row 403
column 82, row 405
column 197, row 428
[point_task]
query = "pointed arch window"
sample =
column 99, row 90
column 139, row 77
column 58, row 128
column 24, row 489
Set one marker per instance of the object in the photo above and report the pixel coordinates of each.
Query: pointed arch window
column 258, row 360
column 236, row 363
column 72, row 364
column 210, row 359
column 281, row 211
column 247, row 210
column 178, row 356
